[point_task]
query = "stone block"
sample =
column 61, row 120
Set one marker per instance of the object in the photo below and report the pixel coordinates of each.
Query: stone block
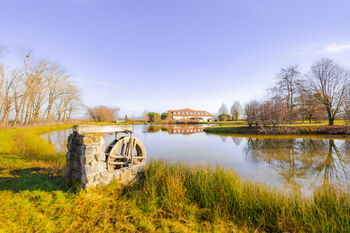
column 88, row 129
column 90, row 178
column 89, row 159
column 77, row 139
column 92, row 149
column 75, row 165
column 95, row 169
column 116, row 174
column 69, row 144
column 83, row 179
column 68, row 172
column 87, row 169
column 93, row 138
column 126, row 176
column 73, row 155
column 76, row 176
column 101, row 166
column 82, row 160
column 101, row 157
column 105, row 174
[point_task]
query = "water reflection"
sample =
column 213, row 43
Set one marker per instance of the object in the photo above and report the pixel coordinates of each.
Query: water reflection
column 177, row 129
column 288, row 163
column 58, row 139
column 321, row 161
column 237, row 141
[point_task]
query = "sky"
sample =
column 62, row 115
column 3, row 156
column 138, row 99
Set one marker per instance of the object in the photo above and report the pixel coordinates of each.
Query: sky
column 156, row 55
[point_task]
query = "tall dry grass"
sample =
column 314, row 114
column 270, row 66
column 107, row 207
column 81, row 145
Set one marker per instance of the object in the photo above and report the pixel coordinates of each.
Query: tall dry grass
column 178, row 190
column 34, row 147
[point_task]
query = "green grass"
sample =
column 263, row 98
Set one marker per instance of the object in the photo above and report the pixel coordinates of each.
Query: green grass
column 167, row 198
column 28, row 162
column 313, row 123
column 231, row 128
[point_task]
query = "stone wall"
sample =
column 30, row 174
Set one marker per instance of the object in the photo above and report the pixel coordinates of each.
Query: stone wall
column 86, row 158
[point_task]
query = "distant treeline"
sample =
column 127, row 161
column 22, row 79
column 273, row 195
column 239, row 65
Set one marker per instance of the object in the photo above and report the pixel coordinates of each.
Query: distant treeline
column 37, row 91
column 322, row 93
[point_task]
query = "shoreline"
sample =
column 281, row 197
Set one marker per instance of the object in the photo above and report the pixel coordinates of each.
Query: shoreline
column 281, row 130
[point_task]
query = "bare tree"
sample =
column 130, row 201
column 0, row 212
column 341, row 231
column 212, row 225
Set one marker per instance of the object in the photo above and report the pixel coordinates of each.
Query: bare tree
column 2, row 81
column 251, row 110
column 28, row 95
column 271, row 112
column 236, row 110
column 223, row 109
column 308, row 105
column 7, row 80
column 329, row 81
column 56, row 80
column 346, row 105
column 286, row 88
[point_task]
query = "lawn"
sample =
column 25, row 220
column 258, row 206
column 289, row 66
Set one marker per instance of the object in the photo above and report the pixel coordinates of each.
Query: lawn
column 233, row 127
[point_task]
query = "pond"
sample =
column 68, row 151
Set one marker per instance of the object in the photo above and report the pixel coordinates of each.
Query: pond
column 288, row 163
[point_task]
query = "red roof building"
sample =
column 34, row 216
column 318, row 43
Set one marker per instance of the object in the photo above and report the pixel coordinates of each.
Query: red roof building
column 189, row 114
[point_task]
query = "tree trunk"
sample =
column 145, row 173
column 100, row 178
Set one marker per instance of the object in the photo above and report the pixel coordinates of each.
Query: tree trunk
column 330, row 121
column 330, row 117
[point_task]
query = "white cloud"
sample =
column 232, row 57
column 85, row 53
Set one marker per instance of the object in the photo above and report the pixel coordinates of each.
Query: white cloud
column 336, row 48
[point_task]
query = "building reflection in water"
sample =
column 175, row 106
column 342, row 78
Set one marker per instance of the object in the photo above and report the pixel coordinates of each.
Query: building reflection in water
column 177, row 129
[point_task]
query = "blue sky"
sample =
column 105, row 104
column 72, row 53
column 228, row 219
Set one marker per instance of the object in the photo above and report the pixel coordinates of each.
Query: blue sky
column 164, row 54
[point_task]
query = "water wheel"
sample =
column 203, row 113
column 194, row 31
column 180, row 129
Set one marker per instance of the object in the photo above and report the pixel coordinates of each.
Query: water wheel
column 124, row 151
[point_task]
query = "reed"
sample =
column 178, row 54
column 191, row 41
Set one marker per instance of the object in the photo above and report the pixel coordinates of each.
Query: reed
column 221, row 194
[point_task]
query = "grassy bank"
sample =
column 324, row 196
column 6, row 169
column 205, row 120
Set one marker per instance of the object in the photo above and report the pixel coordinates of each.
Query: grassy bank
column 281, row 130
column 167, row 198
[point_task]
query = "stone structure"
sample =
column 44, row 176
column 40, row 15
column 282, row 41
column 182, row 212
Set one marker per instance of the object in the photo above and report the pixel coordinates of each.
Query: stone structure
column 91, row 163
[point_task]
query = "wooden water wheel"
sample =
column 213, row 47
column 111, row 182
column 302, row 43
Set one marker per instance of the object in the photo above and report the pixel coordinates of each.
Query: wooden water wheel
column 124, row 151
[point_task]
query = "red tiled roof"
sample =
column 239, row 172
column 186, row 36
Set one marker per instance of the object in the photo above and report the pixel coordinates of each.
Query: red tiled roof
column 187, row 112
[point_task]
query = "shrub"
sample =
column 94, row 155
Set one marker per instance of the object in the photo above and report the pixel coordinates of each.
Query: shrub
column 102, row 113
column 164, row 115
column 224, row 117
column 153, row 117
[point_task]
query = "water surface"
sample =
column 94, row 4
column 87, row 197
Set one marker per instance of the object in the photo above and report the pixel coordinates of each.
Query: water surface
column 288, row 163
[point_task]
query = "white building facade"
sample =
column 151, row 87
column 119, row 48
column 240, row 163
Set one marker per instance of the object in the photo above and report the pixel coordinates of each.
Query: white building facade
column 191, row 115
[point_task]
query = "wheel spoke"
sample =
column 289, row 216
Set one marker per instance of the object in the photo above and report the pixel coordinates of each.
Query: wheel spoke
column 123, row 152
